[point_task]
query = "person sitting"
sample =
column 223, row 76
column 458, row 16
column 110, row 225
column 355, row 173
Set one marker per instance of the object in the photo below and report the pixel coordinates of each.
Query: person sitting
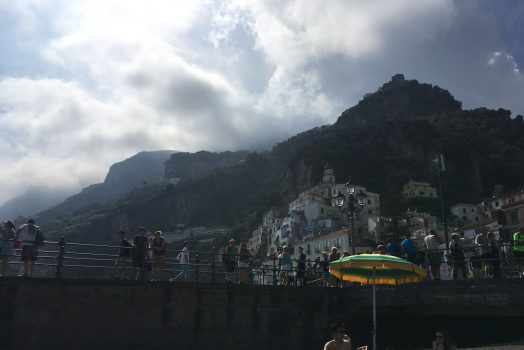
column 443, row 341
column 341, row 340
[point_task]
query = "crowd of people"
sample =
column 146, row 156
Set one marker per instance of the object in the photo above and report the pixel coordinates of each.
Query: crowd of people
column 480, row 257
column 146, row 255
column 143, row 257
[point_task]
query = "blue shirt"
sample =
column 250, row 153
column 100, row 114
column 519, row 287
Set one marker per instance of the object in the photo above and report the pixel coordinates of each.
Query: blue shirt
column 408, row 246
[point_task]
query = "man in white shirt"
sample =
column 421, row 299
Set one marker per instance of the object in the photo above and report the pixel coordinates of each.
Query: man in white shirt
column 434, row 255
column 27, row 234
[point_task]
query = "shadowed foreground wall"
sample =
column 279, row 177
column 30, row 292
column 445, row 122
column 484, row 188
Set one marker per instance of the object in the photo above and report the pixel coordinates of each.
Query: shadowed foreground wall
column 86, row 314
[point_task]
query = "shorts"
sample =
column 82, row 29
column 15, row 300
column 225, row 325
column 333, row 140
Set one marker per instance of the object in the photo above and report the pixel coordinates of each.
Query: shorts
column 230, row 266
column 139, row 259
column 435, row 258
column 7, row 248
column 285, row 268
column 243, row 264
column 29, row 253
column 158, row 261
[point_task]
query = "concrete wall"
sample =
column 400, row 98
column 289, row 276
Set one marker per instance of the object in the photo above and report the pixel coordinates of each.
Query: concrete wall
column 86, row 314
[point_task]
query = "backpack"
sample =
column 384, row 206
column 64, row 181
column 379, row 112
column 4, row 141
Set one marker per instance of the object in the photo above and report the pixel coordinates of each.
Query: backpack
column 39, row 239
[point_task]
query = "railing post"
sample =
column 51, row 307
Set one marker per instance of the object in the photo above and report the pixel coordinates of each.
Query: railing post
column 274, row 269
column 250, row 277
column 197, row 268
column 213, row 265
column 60, row 257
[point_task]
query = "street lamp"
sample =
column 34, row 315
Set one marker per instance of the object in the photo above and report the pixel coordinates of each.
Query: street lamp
column 354, row 204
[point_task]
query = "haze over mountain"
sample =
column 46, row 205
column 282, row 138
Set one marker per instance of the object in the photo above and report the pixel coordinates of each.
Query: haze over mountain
column 389, row 137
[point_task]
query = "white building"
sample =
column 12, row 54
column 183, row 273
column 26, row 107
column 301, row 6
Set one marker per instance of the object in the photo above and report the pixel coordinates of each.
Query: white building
column 465, row 213
column 321, row 213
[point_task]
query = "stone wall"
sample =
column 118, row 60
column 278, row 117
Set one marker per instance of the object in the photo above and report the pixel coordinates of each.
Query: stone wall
column 87, row 314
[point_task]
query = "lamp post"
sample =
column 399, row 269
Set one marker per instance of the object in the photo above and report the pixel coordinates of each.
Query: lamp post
column 353, row 204
column 441, row 168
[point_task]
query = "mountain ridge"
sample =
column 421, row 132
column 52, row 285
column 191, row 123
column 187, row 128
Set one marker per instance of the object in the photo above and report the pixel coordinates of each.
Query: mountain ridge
column 376, row 146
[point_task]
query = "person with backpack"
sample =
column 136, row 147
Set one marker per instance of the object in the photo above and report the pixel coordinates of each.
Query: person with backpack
column 31, row 238
column 7, row 236
column 124, row 254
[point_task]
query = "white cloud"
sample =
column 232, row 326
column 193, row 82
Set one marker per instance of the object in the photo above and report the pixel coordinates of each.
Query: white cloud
column 117, row 77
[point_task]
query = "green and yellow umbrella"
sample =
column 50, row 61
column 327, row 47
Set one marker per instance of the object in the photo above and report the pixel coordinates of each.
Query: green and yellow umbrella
column 378, row 268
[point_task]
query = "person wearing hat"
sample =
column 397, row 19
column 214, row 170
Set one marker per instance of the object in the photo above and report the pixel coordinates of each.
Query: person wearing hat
column 230, row 260
column 30, row 235
column 7, row 236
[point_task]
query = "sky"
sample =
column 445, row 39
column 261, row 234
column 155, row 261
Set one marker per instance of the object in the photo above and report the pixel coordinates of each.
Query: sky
column 87, row 83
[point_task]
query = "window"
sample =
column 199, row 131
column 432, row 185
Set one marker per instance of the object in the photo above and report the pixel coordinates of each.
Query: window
column 321, row 210
column 513, row 218
column 464, row 210
column 472, row 210
column 308, row 249
column 369, row 201
column 465, row 218
column 422, row 193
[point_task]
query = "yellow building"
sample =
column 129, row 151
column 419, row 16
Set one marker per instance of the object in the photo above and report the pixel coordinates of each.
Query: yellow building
column 417, row 189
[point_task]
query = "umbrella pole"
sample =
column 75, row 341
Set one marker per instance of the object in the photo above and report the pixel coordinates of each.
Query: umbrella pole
column 374, row 314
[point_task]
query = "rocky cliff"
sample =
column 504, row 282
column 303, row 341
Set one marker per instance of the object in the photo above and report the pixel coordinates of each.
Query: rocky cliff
column 391, row 136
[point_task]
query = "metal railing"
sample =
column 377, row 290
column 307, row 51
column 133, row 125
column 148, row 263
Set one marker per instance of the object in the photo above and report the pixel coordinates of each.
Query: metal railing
column 61, row 259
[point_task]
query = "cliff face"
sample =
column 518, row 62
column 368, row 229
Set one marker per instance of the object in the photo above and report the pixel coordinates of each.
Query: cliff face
column 137, row 171
column 185, row 165
column 391, row 136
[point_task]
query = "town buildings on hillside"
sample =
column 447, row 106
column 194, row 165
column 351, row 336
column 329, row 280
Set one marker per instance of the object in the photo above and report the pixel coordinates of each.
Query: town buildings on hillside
column 314, row 214
column 418, row 189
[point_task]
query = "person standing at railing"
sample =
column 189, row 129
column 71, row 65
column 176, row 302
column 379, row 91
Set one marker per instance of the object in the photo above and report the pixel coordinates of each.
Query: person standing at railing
column 244, row 259
column 29, row 235
column 494, row 255
column 158, row 249
column 140, row 247
column 285, row 266
column 409, row 249
column 434, row 255
column 482, row 242
column 517, row 248
column 6, row 245
column 301, row 267
column 456, row 255
column 230, row 260
column 124, row 253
